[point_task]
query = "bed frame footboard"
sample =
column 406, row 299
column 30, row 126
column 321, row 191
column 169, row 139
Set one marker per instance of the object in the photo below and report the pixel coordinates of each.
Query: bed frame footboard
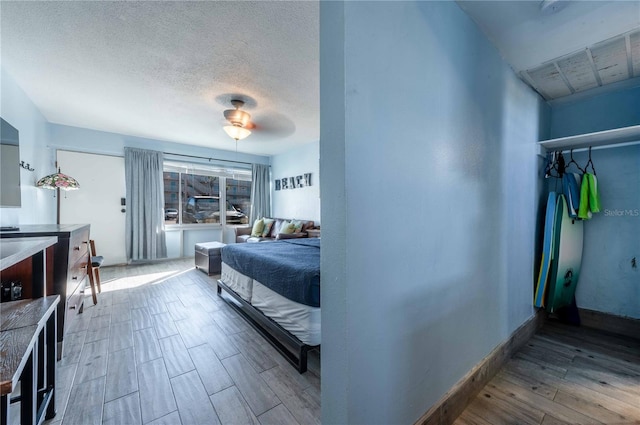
column 288, row 345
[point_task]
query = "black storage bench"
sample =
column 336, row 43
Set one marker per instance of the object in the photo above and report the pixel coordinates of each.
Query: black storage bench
column 208, row 257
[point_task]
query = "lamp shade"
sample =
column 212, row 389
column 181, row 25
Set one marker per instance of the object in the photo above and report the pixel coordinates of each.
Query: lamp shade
column 58, row 181
column 235, row 132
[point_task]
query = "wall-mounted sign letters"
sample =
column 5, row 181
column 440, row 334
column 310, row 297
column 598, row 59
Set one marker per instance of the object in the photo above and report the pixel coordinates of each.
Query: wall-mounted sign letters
column 294, row 182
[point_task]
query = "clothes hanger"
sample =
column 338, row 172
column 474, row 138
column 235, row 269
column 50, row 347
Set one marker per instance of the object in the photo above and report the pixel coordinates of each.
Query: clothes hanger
column 590, row 163
column 551, row 159
column 555, row 163
column 575, row 163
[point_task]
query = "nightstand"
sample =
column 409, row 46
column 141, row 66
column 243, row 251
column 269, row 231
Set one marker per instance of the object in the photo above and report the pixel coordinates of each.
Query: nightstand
column 313, row 233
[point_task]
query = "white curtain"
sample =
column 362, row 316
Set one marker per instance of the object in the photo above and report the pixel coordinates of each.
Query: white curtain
column 145, row 236
column 260, row 192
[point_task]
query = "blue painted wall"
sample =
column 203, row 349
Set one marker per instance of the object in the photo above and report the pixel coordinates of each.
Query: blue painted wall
column 608, row 281
column 430, row 189
column 603, row 112
column 333, row 210
column 301, row 203
column 38, row 205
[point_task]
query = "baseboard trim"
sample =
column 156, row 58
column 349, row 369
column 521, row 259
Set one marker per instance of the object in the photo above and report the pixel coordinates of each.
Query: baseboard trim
column 620, row 325
column 453, row 403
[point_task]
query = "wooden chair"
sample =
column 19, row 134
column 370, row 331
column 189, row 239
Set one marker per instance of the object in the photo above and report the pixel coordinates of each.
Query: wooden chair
column 93, row 269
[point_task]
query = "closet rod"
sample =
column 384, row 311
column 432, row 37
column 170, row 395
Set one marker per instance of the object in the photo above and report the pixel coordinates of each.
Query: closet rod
column 599, row 139
column 542, row 150
column 209, row 159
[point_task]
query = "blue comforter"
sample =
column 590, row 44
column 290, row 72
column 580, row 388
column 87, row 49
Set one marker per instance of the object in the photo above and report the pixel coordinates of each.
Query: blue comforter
column 289, row 267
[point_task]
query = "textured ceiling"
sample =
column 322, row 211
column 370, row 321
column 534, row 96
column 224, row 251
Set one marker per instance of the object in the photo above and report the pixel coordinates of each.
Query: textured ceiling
column 579, row 46
column 167, row 70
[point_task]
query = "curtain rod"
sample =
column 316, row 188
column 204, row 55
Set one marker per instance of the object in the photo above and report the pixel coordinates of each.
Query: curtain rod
column 209, row 159
column 62, row 148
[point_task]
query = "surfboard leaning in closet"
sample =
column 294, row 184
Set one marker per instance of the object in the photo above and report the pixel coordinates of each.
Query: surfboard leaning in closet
column 566, row 257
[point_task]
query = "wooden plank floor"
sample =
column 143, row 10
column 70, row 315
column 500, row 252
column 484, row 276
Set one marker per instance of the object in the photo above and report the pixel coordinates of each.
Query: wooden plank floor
column 160, row 347
column 564, row 375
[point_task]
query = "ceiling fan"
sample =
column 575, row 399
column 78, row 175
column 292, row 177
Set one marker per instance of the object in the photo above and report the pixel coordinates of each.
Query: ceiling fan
column 240, row 123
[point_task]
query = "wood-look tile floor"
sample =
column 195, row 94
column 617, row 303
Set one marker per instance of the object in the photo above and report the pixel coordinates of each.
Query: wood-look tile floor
column 160, row 347
column 564, row 375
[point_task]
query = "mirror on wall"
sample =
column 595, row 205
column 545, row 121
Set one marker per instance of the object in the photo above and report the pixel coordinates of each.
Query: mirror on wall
column 10, row 166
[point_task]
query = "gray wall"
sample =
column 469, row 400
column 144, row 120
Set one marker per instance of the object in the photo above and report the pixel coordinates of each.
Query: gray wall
column 430, row 188
column 608, row 281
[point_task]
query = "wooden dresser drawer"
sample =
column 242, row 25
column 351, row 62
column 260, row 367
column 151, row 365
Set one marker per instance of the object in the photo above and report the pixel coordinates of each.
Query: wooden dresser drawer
column 75, row 300
column 78, row 245
column 77, row 273
column 76, row 281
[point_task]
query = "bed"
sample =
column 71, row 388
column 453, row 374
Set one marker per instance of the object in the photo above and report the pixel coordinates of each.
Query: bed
column 275, row 286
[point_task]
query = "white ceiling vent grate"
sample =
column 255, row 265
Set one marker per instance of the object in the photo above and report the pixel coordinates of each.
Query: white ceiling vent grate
column 608, row 62
column 579, row 72
column 610, row 59
column 549, row 81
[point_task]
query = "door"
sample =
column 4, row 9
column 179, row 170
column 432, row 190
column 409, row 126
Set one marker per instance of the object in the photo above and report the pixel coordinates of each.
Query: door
column 98, row 201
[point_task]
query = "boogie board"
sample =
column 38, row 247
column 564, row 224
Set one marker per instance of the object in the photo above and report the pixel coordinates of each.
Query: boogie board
column 547, row 249
column 566, row 258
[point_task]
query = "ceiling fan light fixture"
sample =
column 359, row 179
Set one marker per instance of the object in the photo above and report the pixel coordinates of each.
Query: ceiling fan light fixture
column 236, row 132
column 238, row 119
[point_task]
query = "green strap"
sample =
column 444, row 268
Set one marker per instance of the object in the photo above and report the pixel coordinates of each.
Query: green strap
column 594, row 196
column 583, row 211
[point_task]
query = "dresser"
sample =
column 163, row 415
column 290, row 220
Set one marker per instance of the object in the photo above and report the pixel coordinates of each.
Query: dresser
column 28, row 332
column 69, row 264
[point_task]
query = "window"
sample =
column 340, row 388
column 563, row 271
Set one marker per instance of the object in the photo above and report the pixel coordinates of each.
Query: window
column 171, row 198
column 194, row 194
column 238, row 199
column 200, row 198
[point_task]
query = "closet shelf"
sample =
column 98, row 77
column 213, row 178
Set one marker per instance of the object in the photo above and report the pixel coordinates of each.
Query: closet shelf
column 600, row 138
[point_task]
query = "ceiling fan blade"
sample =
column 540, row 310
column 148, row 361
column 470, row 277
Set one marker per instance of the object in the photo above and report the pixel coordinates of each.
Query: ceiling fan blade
column 272, row 124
